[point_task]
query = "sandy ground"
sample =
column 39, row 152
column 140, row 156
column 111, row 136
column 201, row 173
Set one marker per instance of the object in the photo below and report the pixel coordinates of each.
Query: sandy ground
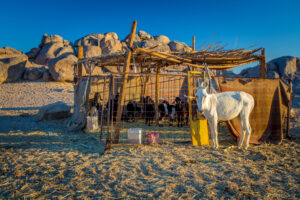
column 41, row 160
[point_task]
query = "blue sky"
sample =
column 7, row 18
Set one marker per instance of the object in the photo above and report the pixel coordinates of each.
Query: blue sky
column 274, row 24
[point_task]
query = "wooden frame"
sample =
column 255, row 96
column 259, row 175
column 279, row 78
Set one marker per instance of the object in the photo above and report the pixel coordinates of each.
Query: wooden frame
column 214, row 57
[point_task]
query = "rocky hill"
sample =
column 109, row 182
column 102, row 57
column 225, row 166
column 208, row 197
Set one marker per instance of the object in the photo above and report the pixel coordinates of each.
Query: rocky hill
column 53, row 58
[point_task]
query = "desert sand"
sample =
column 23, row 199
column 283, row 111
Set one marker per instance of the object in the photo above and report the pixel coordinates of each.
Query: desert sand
column 42, row 160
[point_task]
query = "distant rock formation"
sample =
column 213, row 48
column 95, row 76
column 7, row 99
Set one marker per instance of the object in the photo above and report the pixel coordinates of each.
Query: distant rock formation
column 61, row 68
column 53, row 59
column 12, row 64
column 282, row 67
column 98, row 44
column 56, row 53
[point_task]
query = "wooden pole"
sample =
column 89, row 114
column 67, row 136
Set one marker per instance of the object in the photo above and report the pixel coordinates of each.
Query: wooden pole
column 263, row 67
column 123, row 87
column 78, row 72
column 110, row 105
column 194, row 48
column 157, row 94
column 194, row 43
column 287, row 132
column 146, row 81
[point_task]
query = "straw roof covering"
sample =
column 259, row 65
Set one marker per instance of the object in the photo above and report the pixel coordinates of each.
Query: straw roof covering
column 215, row 57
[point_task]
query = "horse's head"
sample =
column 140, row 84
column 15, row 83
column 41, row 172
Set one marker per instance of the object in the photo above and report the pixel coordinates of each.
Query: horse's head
column 201, row 93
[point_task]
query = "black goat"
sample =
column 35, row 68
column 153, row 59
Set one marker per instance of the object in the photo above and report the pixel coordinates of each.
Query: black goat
column 133, row 110
column 149, row 110
column 181, row 108
column 166, row 110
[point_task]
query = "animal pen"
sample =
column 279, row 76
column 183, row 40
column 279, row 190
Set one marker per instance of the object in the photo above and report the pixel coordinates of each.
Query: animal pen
column 146, row 77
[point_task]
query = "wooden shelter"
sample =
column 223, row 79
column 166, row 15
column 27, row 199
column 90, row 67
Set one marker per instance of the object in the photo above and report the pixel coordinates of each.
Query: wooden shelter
column 214, row 57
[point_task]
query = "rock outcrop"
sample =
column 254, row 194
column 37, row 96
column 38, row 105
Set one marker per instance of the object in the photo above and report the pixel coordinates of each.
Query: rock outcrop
column 162, row 38
column 51, row 47
column 155, row 45
column 34, row 73
column 179, row 47
column 98, row 44
column 144, row 36
column 56, row 53
column 55, row 111
column 61, row 68
column 12, row 64
column 282, row 67
column 286, row 66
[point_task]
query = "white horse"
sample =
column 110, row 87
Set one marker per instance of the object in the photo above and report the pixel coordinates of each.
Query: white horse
column 225, row 106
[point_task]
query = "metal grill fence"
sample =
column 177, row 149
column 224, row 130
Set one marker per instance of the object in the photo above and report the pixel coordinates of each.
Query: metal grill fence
column 104, row 93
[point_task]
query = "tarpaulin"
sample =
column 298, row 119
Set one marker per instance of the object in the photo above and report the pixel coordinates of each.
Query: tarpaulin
column 271, row 98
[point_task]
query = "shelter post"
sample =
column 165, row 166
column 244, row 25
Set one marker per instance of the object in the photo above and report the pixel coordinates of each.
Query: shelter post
column 123, row 87
column 146, row 82
column 263, row 67
column 194, row 49
column 110, row 106
column 78, row 71
column 194, row 41
column 288, row 135
column 157, row 93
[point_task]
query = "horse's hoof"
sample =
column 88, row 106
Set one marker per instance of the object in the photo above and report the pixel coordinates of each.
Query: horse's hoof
column 215, row 147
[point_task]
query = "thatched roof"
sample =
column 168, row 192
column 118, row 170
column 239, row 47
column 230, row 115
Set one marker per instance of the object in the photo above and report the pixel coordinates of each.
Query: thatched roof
column 213, row 56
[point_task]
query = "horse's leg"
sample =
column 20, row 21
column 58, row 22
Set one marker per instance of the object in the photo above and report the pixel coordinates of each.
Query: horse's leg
column 216, row 133
column 242, row 125
column 213, row 124
column 247, row 127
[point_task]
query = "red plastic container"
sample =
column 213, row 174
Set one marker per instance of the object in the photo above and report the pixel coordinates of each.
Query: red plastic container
column 152, row 138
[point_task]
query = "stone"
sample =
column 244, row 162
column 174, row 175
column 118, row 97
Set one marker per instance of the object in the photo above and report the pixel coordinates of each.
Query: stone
column 287, row 66
column 91, row 51
column 64, row 51
column 48, row 52
column 136, row 40
column 12, row 68
column 162, row 47
column 34, row 73
column 179, row 47
column 51, row 47
column 89, row 40
column 55, row 111
column 111, row 36
column 67, row 43
column 162, row 38
column 46, row 75
column 251, row 72
column 61, row 68
column 7, row 52
column 272, row 67
column 110, row 43
column 52, row 39
column 144, row 36
column 43, row 40
column 272, row 74
column 32, row 54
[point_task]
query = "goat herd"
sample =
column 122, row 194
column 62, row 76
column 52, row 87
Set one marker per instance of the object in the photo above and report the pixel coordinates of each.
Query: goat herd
column 144, row 109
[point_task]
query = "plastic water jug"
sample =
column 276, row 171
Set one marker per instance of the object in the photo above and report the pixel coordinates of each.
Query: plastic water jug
column 135, row 135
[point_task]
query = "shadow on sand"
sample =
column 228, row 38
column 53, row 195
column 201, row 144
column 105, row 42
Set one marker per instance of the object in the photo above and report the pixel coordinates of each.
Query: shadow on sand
column 23, row 131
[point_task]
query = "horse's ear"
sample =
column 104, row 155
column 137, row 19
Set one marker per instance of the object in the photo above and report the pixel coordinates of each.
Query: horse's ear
column 199, row 83
column 205, row 83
